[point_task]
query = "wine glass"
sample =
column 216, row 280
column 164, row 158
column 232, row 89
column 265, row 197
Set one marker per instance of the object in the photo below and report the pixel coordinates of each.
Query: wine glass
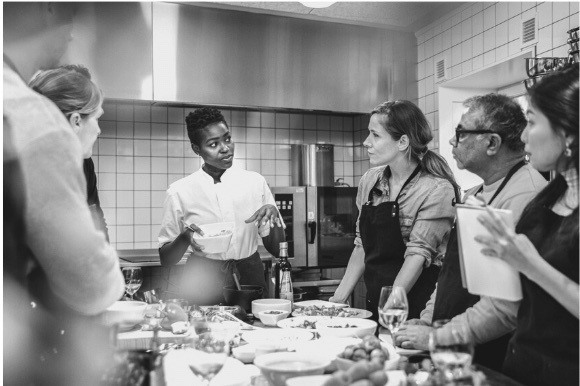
column 451, row 348
column 393, row 307
column 133, row 280
column 212, row 351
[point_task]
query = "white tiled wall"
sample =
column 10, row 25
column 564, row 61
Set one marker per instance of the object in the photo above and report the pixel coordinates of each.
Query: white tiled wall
column 479, row 34
column 143, row 148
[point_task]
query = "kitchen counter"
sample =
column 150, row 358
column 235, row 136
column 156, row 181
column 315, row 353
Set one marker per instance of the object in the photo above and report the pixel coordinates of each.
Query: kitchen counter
column 150, row 257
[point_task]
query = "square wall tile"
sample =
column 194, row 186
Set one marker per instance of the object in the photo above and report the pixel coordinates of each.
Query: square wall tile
column 466, row 31
column 107, row 146
column 253, row 118
column 310, row 122
column 477, row 23
column 125, row 147
column 296, row 121
column 253, row 151
column 254, row 165
column 109, row 112
column 477, row 45
column 158, row 198
column 240, row 150
column 489, row 39
column 267, row 119
column 514, row 25
column 323, row 122
column 108, row 198
column 159, row 131
column 107, row 181
column 309, row 136
column 466, row 50
column 267, row 135
column 514, row 8
column 323, row 136
column 110, row 217
column 253, row 135
column 282, row 136
column 124, row 200
column 142, row 130
column 282, row 152
column 124, row 234
column 176, row 131
column 282, row 120
column 268, row 151
column 159, row 114
column 159, row 182
column 142, row 199
column 142, row 181
column 456, row 35
column 108, row 129
column 124, row 181
column 268, row 167
column 544, row 40
column 142, row 233
column 124, row 216
column 175, row 148
column 282, row 181
column 158, row 164
column 545, row 14
column 175, row 165
column 142, row 113
column 336, row 123
column 296, row 136
column 124, row 129
column 142, row 164
column 501, row 52
column 238, row 118
column 125, row 112
column 559, row 34
column 175, row 115
column 159, row 148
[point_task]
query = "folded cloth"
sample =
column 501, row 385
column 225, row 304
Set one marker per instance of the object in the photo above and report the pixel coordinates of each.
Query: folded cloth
column 176, row 367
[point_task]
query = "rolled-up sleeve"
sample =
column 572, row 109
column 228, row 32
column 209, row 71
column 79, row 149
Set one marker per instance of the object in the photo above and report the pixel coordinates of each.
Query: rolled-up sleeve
column 170, row 224
column 430, row 229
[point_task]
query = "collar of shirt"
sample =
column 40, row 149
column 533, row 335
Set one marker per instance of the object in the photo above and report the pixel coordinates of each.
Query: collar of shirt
column 570, row 198
column 383, row 185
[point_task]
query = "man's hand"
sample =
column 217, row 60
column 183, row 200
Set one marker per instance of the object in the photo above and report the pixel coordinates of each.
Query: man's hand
column 266, row 214
column 413, row 336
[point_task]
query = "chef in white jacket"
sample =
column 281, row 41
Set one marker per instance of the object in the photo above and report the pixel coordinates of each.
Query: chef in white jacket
column 217, row 192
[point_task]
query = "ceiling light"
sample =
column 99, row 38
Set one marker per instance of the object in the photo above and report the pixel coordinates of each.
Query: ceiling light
column 317, row 4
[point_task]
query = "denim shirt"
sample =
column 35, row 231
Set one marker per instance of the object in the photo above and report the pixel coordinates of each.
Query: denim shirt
column 426, row 212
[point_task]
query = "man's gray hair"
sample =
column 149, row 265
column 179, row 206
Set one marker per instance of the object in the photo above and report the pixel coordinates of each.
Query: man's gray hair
column 501, row 114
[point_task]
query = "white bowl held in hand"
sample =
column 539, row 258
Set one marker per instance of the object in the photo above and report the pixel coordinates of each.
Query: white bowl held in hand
column 216, row 237
column 260, row 305
column 278, row 367
column 346, row 327
column 125, row 313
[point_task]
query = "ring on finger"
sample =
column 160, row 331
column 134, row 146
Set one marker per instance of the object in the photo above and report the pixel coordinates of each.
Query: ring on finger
column 502, row 241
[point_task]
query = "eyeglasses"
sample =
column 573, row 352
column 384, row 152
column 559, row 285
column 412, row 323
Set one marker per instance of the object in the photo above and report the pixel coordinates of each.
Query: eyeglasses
column 460, row 132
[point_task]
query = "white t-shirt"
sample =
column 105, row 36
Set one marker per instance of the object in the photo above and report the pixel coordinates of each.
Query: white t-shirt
column 196, row 199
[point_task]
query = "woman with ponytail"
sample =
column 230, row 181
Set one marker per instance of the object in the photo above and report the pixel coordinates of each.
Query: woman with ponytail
column 406, row 212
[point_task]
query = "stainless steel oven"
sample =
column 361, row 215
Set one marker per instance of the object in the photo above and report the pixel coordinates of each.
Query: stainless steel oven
column 320, row 223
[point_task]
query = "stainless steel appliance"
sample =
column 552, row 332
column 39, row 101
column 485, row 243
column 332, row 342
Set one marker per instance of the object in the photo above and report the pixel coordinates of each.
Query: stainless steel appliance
column 312, row 165
column 320, row 223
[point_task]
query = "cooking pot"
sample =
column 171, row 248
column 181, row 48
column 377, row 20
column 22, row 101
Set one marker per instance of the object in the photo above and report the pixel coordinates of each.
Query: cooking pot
column 242, row 297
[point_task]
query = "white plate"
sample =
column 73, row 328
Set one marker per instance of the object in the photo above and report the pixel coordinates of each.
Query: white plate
column 296, row 322
column 268, row 335
column 318, row 303
column 360, row 313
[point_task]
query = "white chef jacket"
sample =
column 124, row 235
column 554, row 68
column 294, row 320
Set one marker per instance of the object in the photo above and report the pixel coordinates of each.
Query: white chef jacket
column 196, row 199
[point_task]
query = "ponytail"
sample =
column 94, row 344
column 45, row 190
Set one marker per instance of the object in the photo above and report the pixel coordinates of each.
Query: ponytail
column 433, row 163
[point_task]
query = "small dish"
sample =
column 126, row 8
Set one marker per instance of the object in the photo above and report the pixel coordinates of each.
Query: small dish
column 216, row 237
column 278, row 367
column 346, row 327
column 271, row 318
column 260, row 305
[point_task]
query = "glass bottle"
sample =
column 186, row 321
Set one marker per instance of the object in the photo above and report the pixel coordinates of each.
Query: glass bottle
column 284, row 287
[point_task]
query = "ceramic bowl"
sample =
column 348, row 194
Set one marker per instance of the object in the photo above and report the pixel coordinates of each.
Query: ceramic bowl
column 216, row 238
column 125, row 313
column 280, row 366
column 260, row 305
column 346, row 327
column 271, row 318
column 242, row 297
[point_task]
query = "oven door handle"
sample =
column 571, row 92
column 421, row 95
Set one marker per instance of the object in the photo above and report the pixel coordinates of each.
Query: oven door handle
column 312, row 227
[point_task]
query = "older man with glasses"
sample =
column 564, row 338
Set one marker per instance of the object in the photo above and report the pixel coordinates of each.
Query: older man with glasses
column 486, row 142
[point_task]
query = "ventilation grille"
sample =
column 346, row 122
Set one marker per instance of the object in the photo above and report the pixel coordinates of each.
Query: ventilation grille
column 440, row 70
column 529, row 32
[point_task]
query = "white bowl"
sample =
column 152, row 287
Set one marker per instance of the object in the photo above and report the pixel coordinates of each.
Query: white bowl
column 280, row 366
column 216, row 237
column 260, row 305
column 271, row 318
column 125, row 313
column 346, row 327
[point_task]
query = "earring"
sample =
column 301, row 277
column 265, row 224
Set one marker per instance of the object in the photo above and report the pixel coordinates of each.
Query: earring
column 568, row 152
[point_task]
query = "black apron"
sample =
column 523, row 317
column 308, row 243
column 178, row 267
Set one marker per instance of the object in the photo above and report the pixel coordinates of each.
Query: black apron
column 380, row 232
column 544, row 348
column 452, row 299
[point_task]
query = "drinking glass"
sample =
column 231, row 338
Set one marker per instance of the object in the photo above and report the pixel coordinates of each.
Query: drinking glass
column 133, row 280
column 451, row 348
column 393, row 307
column 212, row 351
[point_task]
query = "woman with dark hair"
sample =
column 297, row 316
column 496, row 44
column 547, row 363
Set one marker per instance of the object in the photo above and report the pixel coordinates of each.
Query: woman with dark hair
column 406, row 210
column 218, row 192
column 70, row 88
column 544, row 246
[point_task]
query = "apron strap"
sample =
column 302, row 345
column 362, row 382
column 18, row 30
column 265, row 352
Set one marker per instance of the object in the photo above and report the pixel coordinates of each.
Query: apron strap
column 510, row 174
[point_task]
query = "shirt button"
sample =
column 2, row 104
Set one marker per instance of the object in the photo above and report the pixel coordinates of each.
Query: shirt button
column 513, row 350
